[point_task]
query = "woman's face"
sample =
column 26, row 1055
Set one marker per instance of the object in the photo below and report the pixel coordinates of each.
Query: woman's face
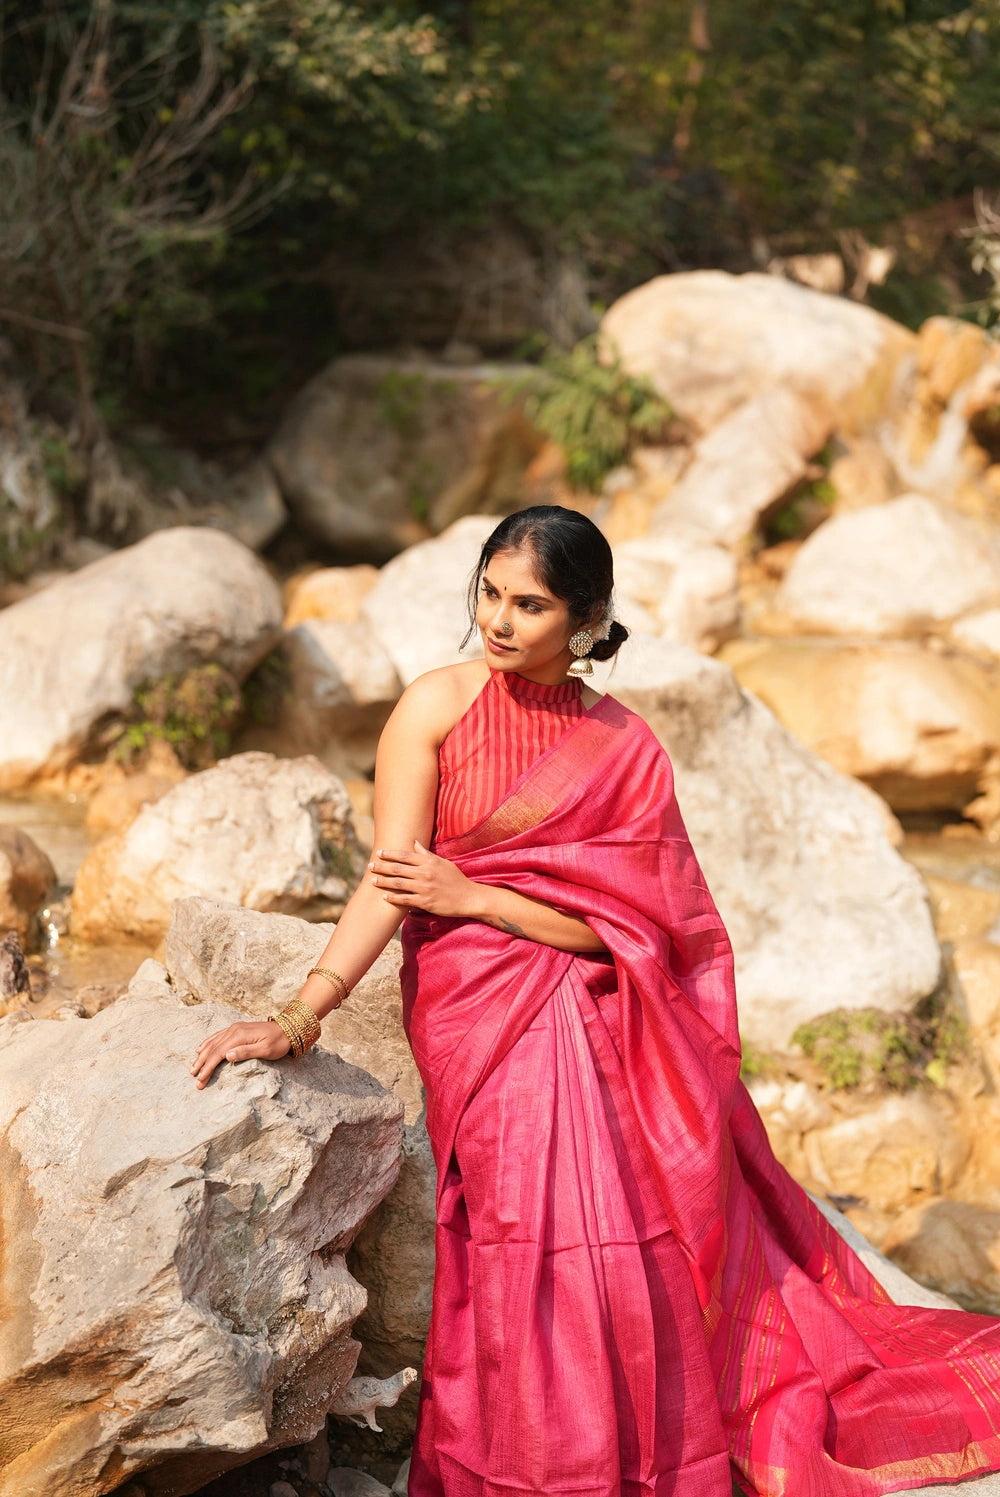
column 537, row 644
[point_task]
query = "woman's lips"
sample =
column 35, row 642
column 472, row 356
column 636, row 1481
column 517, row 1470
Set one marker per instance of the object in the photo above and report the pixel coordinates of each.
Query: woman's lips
column 499, row 648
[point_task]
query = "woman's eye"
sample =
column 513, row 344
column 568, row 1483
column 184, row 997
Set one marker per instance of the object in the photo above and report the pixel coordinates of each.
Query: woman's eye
column 531, row 608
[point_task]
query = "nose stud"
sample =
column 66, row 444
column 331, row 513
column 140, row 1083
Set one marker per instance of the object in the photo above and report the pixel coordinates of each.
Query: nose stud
column 506, row 628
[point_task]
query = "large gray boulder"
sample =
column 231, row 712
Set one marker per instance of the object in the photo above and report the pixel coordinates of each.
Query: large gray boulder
column 269, row 833
column 217, row 952
column 176, row 1294
column 375, row 452
column 72, row 655
column 822, row 911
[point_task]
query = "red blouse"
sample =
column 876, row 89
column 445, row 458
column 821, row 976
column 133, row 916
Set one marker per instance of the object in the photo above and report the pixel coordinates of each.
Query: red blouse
column 519, row 720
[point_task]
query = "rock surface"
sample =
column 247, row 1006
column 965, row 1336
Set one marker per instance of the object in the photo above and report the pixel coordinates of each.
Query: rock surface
column 745, row 464
column 328, row 593
column 179, row 1296
column 977, row 970
column 27, row 878
column 890, row 1155
column 953, row 1246
column 272, row 834
column 257, row 962
column 678, row 585
column 72, row 655
column 822, row 912
column 418, row 609
column 710, row 341
column 341, row 687
column 920, row 727
column 374, row 452
column 892, row 569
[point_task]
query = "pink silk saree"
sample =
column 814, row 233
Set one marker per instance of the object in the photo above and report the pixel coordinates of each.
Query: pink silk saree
column 632, row 1296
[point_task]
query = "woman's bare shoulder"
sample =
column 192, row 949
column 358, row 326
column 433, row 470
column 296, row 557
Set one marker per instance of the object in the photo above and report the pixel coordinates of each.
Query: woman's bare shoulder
column 436, row 700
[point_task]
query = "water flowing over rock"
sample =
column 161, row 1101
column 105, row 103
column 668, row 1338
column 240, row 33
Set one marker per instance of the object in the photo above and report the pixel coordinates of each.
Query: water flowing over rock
column 375, row 451
column 218, row 952
column 921, row 727
column 72, row 655
column 174, row 1270
column 892, row 569
column 272, row 834
column 27, row 878
column 710, row 341
column 822, row 911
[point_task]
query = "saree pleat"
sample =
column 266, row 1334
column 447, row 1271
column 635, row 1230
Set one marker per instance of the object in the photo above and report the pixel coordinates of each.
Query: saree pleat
column 632, row 1296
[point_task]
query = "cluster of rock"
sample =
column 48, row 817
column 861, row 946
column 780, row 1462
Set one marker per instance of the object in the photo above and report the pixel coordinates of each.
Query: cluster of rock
column 854, row 674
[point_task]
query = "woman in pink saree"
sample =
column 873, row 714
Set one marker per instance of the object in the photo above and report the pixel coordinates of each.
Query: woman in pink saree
column 631, row 1295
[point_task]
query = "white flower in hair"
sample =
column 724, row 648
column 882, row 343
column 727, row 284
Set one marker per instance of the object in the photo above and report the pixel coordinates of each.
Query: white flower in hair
column 602, row 629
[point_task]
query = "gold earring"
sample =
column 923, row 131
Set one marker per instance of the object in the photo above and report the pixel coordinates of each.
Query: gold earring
column 581, row 644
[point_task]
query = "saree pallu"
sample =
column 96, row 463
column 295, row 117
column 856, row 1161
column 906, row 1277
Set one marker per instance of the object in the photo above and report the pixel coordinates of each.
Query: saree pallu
column 632, row 1296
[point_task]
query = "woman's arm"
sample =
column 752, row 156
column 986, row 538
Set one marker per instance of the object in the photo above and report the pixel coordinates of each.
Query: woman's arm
column 406, row 774
column 421, row 880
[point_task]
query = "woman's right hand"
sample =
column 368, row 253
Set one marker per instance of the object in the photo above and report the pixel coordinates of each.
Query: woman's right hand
column 255, row 1039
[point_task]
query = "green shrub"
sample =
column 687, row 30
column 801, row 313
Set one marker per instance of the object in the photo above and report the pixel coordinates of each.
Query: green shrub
column 866, row 1047
column 594, row 410
column 194, row 712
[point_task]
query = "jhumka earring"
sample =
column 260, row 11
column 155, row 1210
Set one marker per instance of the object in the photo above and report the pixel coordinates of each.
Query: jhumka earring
column 581, row 644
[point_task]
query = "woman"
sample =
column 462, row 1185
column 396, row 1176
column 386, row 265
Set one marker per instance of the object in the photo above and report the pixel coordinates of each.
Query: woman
column 631, row 1294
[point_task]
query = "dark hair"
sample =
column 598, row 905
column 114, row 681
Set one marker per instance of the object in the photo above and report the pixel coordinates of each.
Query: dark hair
column 572, row 559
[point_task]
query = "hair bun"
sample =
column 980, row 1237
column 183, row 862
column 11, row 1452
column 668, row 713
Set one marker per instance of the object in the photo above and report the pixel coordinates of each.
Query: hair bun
column 605, row 649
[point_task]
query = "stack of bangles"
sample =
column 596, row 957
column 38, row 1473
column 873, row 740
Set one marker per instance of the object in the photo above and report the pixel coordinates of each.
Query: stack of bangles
column 298, row 1020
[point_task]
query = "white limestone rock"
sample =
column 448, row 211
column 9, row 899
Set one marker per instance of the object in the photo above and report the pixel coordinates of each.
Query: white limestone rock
column 417, row 609
column 679, row 585
column 174, row 1267
column 822, row 911
column 745, row 464
column 892, row 569
column 272, row 834
column 72, row 655
column 710, row 341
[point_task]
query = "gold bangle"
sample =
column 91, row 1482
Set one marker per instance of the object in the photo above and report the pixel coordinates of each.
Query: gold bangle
column 332, row 977
column 300, row 1025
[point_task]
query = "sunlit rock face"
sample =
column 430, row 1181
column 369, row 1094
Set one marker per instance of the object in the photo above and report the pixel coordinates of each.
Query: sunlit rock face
column 176, row 1294
column 72, row 656
column 822, row 911
column 273, row 834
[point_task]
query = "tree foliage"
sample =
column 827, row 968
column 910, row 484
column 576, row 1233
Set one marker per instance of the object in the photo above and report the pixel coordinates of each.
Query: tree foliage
column 169, row 165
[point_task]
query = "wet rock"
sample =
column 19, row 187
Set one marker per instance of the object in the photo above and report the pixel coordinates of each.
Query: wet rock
column 27, row 878
column 273, row 834
column 710, row 341
column 375, row 453
column 179, row 1296
column 892, row 569
column 822, row 911
column 920, row 727
column 15, row 980
column 73, row 655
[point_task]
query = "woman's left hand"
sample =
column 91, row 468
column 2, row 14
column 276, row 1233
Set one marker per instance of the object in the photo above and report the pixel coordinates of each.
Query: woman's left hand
column 420, row 880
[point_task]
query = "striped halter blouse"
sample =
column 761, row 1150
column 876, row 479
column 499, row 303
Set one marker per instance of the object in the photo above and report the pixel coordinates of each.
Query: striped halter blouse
column 511, row 722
